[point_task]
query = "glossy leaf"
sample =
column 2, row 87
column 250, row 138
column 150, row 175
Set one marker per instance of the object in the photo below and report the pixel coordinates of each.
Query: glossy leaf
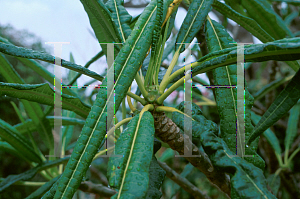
column 268, row 134
column 126, row 66
column 29, row 174
column 33, row 109
column 120, row 17
column 198, row 10
column 13, row 50
column 249, row 24
column 43, row 94
column 281, row 105
column 102, row 24
column 267, row 18
column 227, row 98
column 129, row 174
column 280, row 50
column 247, row 181
column 292, row 127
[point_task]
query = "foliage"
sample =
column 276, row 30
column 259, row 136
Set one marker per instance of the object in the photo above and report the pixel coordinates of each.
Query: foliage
column 136, row 167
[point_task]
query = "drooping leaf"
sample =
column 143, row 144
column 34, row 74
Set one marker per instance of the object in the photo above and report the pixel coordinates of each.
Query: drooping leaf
column 129, row 173
column 249, row 24
column 29, row 174
column 13, row 50
column 247, row 181
column 227, row 98
column 280, row 50
column 198, row 10
column 281, row 105
column 43, row 94
column 4, row 146
column 102, row 24
column 292, row 127
column 268, row 134
column 126, row 66
column 33, row 109
column 261, row 11
column 156, row 178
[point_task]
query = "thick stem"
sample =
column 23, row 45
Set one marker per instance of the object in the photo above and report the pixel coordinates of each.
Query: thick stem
column 169, row 132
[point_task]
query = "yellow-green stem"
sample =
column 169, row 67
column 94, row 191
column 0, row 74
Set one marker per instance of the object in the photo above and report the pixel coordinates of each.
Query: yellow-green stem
column 137, row 98
column 141, row 85
column 169, row 91
column 109, row 133
column 165, row 81
column 169, row 109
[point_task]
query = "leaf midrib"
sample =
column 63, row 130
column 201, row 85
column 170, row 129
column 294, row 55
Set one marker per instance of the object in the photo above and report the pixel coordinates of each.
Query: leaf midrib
column 116, row 83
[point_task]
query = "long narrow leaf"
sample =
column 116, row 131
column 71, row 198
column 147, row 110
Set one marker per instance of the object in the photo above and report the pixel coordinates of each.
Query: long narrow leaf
column 126, row 66
column 292, row 127
column 135, row 146
column 198, row 10
column 282, row 104
column 33, row 109
column 102, row 24
column 31, row 54
column 43, row 94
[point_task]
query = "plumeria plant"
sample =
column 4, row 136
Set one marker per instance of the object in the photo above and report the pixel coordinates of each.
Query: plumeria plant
column 225, row 150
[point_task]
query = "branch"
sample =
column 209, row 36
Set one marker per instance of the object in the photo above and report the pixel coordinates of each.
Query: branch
column 98, row 189
column 169, row 132
column 183, row 182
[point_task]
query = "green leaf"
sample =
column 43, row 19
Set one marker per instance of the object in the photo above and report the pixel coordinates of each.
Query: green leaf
column 247, row 181
column 269, row 87
column 43, row 189
column 268, row 134
column 135, row 148
column 281, row 105
column 280, row 50
column 43, row 94
column 156, row 178
column 28, row 125
column 292, row 127
column 274, row 183
column 120, row 17
column 38, row 68
column 102, row 23
column 227, row 98
column 288, row 19
column 10, row 134
column 249, row 24
column 198, row 10
column 13, row 50
column 126, row 66
column 4, row 146
column 261, row 11
column 29, row 174
column 33, row 109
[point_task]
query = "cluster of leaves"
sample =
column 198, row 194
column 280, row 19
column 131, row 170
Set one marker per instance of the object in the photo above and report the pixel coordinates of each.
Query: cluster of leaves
column 133, row 170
